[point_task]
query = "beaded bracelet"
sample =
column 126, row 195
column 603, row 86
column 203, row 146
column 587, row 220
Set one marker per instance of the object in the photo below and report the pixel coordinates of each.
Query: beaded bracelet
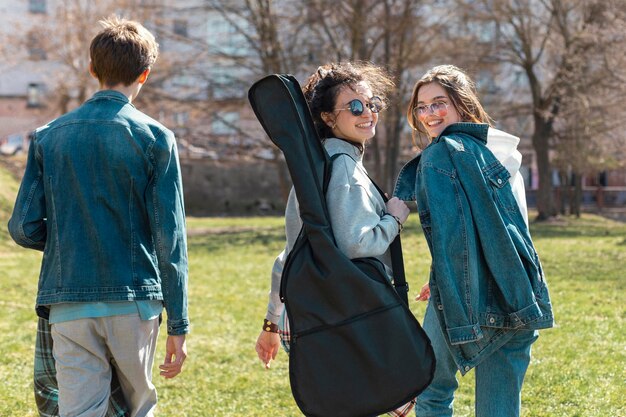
column 400, row 226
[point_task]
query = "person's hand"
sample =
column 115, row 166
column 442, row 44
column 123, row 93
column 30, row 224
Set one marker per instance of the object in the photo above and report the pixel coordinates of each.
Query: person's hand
column 267, row 346
column 424, row 293
column 398, row 208
column 175, row 354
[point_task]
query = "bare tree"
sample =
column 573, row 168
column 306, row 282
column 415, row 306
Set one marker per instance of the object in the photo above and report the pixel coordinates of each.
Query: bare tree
column 278, row 36
column 296, row 36
column 589, row 129
column 274, row 40
column 547, row 41
column 229, row 45
column 390, row 33
column 65, row 41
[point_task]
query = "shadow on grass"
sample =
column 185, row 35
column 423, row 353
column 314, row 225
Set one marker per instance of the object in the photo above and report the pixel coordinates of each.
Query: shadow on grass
column 571, row 232
column 572, row 227
column 220, row 238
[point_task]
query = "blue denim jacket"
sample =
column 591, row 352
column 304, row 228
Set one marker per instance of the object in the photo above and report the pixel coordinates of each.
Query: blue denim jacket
column 486, row 278
column 102, row 197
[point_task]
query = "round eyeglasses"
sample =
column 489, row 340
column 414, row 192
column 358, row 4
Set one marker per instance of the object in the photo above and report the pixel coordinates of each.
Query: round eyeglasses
column 356, row 106
column 439, row 108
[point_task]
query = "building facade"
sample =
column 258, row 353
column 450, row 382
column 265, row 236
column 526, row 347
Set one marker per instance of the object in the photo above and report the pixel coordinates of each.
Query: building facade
column 208, row 59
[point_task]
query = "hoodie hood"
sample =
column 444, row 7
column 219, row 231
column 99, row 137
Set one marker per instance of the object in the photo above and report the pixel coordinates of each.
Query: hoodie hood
column 504, row 147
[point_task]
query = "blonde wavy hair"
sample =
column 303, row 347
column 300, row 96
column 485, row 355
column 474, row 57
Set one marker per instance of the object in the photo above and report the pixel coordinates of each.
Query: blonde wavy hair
column 462, row 93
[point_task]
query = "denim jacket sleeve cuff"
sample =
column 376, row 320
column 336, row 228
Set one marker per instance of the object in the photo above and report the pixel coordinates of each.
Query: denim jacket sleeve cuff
column 464, row 334
column 177, row 327
column 525, row 315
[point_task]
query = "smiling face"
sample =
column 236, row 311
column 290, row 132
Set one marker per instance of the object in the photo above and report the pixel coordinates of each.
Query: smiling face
column 343, row 123
column 435, row 116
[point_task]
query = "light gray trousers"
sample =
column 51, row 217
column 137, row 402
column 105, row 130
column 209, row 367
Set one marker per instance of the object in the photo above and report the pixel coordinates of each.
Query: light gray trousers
column 84, row 351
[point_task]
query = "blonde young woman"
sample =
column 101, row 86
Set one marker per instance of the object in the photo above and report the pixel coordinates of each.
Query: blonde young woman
column 487, row 291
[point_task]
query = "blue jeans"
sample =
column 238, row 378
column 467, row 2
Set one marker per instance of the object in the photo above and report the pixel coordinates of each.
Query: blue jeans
column 499, row 377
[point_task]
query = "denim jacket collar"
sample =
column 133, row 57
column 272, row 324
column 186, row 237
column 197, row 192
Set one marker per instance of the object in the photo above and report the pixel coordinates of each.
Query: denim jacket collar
column 111, row 95
column 477, row 130
column 405, row 184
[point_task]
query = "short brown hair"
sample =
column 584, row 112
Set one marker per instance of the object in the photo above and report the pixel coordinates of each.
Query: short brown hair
column 324, row 85
column 461, row 90
column 122, row 51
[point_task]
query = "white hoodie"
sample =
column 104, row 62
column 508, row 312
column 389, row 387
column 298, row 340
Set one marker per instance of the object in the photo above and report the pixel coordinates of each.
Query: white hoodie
column 504, row 147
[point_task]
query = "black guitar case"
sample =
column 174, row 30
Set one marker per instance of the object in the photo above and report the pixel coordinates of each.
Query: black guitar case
column 356, row 349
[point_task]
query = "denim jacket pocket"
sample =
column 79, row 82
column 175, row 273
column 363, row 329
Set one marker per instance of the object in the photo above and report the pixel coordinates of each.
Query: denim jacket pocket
column 498, row 178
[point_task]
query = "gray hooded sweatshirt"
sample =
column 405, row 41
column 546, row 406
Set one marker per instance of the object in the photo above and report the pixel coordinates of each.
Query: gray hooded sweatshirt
column 357, row 216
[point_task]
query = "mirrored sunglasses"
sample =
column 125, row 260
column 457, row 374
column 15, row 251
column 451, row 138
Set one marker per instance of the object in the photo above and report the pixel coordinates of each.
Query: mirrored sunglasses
column 357, row 107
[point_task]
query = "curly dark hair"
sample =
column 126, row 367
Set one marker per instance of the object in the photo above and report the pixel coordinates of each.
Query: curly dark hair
column 324, row 85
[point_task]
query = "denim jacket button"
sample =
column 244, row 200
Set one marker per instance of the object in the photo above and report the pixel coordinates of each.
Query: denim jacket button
column 440, row 306
column 492, row 320
column 499, row 181
column 467, row 368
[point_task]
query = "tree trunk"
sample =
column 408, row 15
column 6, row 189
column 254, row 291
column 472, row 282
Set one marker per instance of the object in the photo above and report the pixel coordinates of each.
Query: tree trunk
column 394, row 126
column 563, row 194
column 577, row 195
column 540, row 138
column 272, row 64
column 374, row 152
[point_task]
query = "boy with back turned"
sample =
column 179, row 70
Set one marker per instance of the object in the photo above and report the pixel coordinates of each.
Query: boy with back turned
column 102, row 198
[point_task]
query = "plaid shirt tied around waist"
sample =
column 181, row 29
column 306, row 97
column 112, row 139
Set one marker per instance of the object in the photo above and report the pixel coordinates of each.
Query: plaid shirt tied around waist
column 45, row 379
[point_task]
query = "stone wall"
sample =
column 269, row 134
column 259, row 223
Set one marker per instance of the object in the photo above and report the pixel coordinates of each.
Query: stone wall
column 214, row 188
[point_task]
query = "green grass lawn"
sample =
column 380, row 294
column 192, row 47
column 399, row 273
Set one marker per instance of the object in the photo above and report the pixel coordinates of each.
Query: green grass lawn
column 578, row 368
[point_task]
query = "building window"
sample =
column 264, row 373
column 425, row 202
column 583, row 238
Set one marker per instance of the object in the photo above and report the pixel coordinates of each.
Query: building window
column 224, row 37
column 36, row 50
column 181, row 118
column 37, row 6
column 180, row 27
column 226, row 82
column 33, row 95
column 225, row 123
column 183, row 80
